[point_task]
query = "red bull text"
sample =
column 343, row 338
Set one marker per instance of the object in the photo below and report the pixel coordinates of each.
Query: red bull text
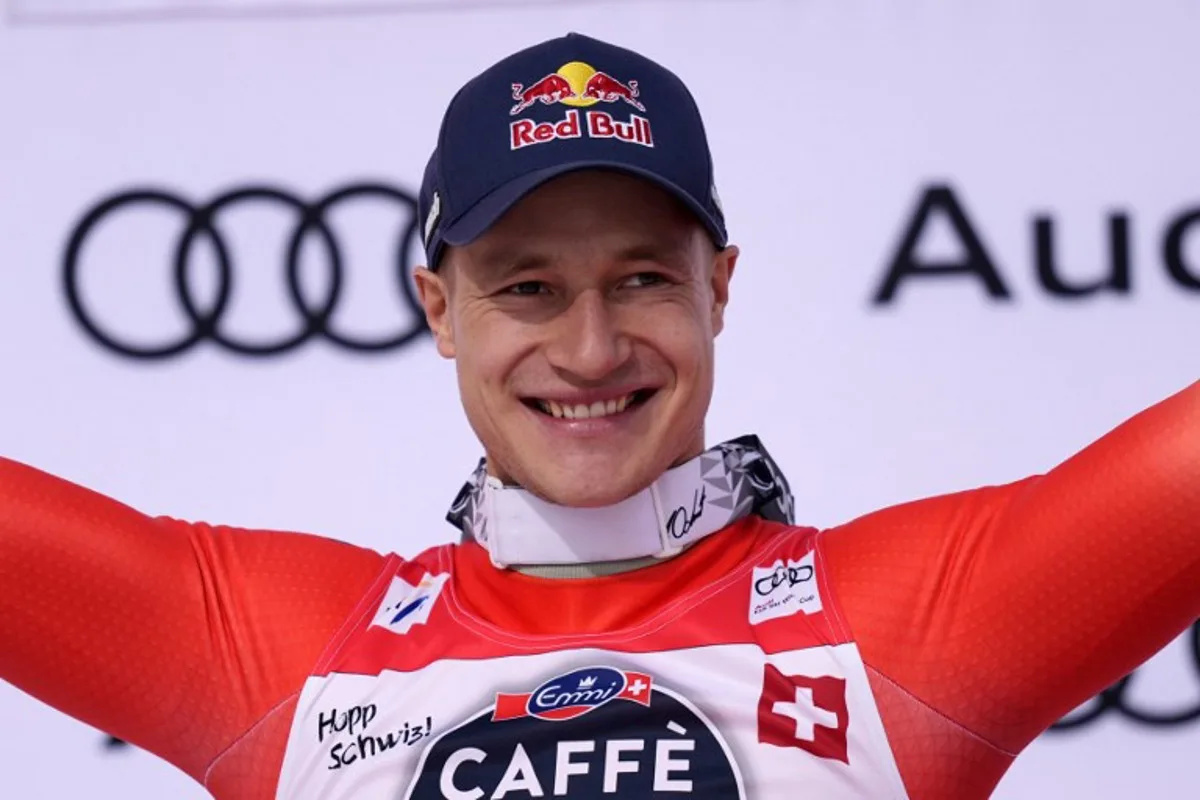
column 597, row 124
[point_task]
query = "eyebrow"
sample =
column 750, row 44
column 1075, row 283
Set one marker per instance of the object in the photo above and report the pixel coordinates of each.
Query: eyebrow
column 501, row 265
column 670, row 253
column 505, row 263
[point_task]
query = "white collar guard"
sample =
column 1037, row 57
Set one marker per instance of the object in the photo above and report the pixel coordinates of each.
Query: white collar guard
column 687, row 503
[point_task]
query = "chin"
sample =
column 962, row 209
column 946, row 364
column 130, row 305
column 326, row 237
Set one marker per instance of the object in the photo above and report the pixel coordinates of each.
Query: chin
column 588, row 466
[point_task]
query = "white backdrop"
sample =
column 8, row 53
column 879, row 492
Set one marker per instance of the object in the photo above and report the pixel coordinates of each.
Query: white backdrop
column 829, row 120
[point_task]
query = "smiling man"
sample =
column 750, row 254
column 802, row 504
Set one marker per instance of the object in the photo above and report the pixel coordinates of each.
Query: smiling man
column 631, row 612
column 583, row 326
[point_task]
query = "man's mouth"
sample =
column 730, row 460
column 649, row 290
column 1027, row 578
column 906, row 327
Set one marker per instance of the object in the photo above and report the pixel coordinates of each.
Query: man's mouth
column 594, row 410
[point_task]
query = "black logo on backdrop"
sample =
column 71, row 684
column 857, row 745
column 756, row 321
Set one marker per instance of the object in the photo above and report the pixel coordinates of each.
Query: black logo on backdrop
column 977, row 264
column 201, row 227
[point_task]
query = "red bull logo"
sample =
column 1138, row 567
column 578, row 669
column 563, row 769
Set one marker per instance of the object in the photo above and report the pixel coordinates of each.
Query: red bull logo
column 553, row 88
column 579, row 86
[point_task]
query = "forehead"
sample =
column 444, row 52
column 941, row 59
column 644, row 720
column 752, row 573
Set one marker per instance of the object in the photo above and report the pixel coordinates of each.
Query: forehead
column 586, row 215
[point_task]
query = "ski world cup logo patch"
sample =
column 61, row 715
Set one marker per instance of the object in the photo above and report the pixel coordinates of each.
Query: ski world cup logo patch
column 406, row 605
column 595, row 732
column 783, row 589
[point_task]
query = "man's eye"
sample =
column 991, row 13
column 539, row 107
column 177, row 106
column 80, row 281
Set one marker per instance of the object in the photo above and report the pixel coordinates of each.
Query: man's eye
column 645, row 279
column 526, row 288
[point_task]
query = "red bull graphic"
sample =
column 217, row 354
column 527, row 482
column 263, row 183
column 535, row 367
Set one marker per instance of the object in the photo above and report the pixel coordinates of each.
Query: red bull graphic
column 553, row 88
column 575, row 694
column 578, row 85
column 607, row 89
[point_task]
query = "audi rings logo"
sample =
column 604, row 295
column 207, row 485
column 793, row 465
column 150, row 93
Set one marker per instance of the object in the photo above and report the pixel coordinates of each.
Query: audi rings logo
column 202, row 242
column 1120, row 700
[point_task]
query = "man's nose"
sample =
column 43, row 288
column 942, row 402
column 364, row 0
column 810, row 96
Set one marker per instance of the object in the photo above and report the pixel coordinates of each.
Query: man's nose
column 587, row 341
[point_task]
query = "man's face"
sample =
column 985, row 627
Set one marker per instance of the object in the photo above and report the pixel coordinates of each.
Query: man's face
column 582, row 326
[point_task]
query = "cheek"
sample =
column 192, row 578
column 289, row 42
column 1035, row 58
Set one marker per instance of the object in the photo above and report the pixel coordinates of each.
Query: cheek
column 489, row 352
column 682, row 336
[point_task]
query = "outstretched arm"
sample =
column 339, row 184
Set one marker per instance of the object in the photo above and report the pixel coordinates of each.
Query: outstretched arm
column 1003, row 608
column 175, row 637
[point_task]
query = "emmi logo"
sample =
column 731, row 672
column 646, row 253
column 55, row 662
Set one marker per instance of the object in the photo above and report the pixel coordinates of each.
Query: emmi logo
column 940, row 202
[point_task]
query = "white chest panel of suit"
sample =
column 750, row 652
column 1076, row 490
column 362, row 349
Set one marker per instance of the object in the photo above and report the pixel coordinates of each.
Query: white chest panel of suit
column 748, row 688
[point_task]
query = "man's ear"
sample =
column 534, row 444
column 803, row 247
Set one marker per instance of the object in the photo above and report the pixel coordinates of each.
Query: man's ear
column 434, row 293
column 723, row 266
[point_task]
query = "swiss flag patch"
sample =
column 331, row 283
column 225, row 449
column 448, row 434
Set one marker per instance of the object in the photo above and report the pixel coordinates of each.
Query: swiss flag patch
column 805, row 713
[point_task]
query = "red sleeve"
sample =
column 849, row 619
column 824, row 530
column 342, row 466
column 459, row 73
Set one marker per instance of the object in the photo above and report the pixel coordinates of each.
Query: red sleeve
column 175, row 637
column 1000, row 610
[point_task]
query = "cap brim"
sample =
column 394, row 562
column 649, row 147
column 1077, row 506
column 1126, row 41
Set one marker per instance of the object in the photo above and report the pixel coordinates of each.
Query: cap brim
column 475, row 221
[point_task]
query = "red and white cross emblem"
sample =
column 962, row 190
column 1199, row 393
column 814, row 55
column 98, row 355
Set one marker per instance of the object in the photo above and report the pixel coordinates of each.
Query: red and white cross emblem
column 805, row 713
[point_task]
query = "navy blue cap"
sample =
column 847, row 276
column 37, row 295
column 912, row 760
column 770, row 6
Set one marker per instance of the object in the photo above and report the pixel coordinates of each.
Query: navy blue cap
column 563, row 105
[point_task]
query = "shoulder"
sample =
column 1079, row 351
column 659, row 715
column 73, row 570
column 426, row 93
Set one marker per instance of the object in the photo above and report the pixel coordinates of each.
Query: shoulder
column 427, row 565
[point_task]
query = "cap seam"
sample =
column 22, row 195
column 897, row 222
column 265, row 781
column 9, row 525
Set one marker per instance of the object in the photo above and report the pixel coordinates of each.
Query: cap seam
column 710, row 178
column 441, row 186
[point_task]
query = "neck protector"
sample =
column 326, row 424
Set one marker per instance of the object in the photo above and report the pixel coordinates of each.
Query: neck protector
column 687, row 503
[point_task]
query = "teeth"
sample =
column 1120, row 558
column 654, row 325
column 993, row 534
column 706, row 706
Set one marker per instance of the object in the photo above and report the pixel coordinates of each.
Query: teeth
column 597, row 409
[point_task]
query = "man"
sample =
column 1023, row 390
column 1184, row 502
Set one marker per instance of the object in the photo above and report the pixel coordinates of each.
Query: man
column 629, row 613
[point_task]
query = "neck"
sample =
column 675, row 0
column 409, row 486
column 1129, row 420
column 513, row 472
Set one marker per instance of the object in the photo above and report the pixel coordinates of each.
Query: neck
column 593, row 569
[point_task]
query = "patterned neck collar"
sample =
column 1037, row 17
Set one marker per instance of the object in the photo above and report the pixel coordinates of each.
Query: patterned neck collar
column 725, row 483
